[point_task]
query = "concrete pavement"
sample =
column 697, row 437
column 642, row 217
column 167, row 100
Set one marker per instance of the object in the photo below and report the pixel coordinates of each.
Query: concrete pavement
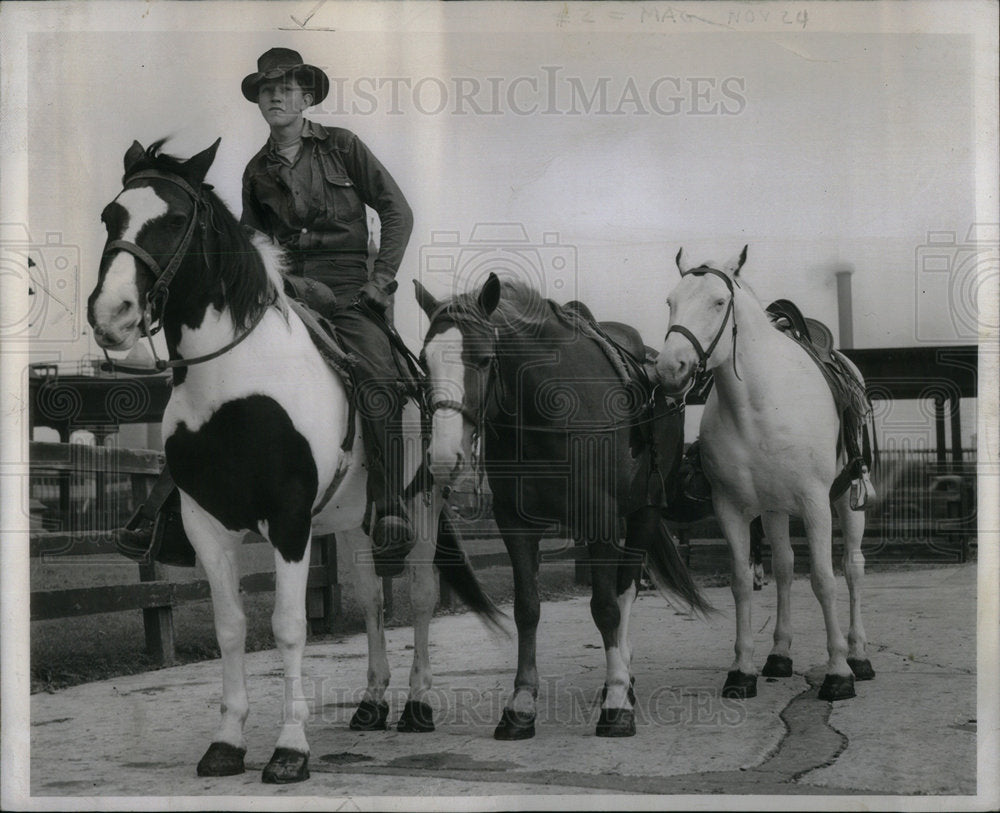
column 913, row 730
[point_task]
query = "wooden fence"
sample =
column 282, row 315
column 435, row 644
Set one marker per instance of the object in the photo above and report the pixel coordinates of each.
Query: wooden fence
column 84, row 481
column 74, row 486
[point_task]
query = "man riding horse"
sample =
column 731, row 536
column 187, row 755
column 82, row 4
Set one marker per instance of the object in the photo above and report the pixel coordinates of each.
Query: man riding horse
column 307, row 189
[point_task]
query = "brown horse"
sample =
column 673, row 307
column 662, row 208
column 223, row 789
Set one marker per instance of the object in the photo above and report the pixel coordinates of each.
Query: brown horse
column 566, row 439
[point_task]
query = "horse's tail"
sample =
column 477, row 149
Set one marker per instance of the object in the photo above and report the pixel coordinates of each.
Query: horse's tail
column 456, row 570
column 664, row 563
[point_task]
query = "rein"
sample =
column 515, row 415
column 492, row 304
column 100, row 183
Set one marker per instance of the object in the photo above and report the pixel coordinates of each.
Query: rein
column 704, row 355
column 160, row 291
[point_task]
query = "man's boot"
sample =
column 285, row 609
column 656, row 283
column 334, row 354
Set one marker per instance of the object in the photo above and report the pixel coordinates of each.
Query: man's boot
column 156, row 532
column 392, row 532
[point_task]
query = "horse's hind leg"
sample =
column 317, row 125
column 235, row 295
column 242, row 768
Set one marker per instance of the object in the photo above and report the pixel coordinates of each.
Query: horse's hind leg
column 757, row 553
column 290, row 761
column 839, row 681
column 611, row 612
column 779, row 661
column 217, row 549
column 373, row 710
column 417, row 715
column 741, row 682
column 517, row 722
column 852, row 524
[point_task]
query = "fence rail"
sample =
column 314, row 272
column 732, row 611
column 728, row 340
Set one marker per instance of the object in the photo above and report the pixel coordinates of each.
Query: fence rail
column 70, row 467
column 78, row 492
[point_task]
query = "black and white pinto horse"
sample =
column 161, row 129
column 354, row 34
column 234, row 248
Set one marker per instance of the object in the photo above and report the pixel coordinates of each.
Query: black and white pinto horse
column 556, row 424
column 253, row 435
column 772, row 444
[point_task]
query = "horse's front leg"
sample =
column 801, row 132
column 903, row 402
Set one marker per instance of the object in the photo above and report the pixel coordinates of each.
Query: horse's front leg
column 517, row 721
column 611, row 611
column 779, row 661
column 839, row 681
column 741, row 682
column 373, row 710
column 852, row 526
column 418, row 716
column 290, row 761
column 217, row 549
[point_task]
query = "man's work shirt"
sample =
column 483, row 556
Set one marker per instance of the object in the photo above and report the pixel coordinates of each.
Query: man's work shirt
column 314, row 205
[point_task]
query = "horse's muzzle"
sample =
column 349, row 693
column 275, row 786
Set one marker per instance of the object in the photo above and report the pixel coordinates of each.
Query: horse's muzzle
column 674, row 374
column 446, row 468
column 123, row 338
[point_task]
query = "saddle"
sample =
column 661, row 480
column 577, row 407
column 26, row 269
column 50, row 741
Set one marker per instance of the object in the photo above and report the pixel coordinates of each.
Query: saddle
column 314, row 303
column 649, row 431
column 849, row 395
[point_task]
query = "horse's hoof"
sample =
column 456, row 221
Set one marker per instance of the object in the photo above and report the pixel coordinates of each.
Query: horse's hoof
column 631, row 692
column 740, row 685
column 286, row 766
column 370, row 716
column 417, row 717
column 616, row 723
column 515, row 725
column 777, row 666
column 862, row 668
column 222, row 759
column 837, row 687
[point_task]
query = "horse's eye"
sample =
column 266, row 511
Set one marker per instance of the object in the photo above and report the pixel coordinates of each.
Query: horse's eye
column 719, row 303
column 176, row 222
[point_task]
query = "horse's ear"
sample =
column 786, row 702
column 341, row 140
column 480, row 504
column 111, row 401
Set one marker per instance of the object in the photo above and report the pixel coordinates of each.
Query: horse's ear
column 428, row 304
column 489, row 297
column 735, row 264
column 680, row 263
column 134, row 153
column 197, row 166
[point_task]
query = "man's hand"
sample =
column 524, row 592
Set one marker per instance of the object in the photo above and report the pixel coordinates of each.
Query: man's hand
column 375, row 296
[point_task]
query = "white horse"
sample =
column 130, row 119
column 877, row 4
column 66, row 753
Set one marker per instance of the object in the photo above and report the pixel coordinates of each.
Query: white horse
column 772, row 445
column 254, row 435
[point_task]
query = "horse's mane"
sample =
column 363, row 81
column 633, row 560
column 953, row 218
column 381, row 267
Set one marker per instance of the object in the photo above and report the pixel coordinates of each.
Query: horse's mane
column 247, row 271
column 522, row 310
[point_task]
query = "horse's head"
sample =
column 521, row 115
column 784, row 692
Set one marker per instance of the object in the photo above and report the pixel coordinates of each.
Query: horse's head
column 701, row 318
column 460, row 354
column 151, row 225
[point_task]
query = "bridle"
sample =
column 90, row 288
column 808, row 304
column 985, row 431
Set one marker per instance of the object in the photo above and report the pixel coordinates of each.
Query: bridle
column 157, row 297
column 703, row 354
column 476, row 417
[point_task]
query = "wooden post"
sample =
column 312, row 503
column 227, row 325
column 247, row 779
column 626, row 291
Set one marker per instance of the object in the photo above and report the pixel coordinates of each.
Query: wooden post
column 387, row 607
column 158, row 621
column 445, row 597
column 942, row 450
column 581, row 567
column 324, row 602
column 684, row 543
column 956, row 429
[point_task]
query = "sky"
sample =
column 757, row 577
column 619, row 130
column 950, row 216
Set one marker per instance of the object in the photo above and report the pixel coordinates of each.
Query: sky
column 578, row 145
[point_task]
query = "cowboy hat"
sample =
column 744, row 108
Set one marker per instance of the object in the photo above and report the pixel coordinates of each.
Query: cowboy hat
column 280, row 61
